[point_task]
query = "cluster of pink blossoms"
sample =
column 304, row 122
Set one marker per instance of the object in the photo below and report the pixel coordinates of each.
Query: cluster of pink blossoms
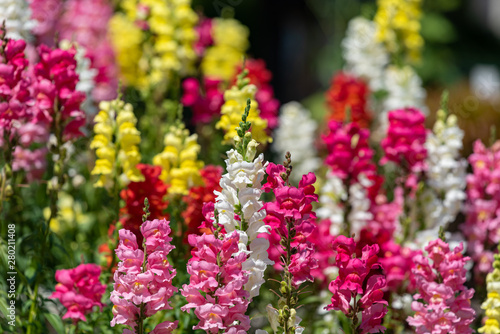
column 405, row 143
column 358, row 277
column 216, row 286
column 206, row 98
column 443, row 303
column 79, row 290
column 143, row 279
column 16, row 112
column 54, row 88
column 482, row 226
column 295, row 204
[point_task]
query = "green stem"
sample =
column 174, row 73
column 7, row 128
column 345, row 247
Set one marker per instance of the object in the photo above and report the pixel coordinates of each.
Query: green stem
column 33, row 310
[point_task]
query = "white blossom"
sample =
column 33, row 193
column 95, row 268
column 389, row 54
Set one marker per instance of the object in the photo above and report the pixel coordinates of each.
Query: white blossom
column 364, row 56
column 17, row 17
column 240, row 194
column 359, row 214
column 446, row 174
column 296, row 134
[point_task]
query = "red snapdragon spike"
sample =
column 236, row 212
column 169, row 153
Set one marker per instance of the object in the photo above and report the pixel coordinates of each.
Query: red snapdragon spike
column 348, row 92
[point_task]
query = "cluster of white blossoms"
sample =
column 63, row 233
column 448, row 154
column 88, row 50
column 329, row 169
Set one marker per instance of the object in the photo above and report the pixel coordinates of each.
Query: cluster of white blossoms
column 446, row 174
column 296, row 134
column 334, row 198
column 17, row 17
column 365, row 57
column 240, row 194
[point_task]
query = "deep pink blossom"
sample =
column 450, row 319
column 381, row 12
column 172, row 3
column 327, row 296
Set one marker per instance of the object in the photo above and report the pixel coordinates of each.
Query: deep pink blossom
column 359, row 276
column 349, row 154
column 404, row 144
column 79, row 290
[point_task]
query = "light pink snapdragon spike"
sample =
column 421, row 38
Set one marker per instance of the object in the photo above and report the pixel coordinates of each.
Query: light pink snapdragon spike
column 442, row 304
column 483, row 206
column 216, row 286
column 143, row 280
column 79, row 290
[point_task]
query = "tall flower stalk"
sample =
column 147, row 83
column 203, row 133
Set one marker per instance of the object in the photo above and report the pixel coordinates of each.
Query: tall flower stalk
column 292, row 219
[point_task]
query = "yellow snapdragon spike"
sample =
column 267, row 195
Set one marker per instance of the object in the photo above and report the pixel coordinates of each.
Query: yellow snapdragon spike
column 162, row 34
column 398, row 23
column 179, row 160
column 492, row 303
column 230, row 44
column 126, row 39
column 116, row 143
column 235, row 102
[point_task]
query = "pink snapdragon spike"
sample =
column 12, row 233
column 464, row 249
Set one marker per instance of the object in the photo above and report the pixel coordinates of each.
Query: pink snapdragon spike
column 86, row 22
column 215, row 290
column 207, row 106
column 292, row 203
column 204, row 30
column 482, row 224
column 442, row 304
column 54, row 87
column 17, row 122
column 404, row 144
column 79, row 290
column 143, row 280
column 349, row 154
column 358, row 277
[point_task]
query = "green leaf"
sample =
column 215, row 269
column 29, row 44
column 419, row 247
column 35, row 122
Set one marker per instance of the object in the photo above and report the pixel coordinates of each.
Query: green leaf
column 56, row 322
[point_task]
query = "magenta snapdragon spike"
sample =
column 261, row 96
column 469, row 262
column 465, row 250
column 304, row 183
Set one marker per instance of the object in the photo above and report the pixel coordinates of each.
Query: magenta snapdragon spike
column 294, row 204
column 483, row 205
column 404, row 144
column 349, row 153
column 442, row 304
column 143, row 280
column 57, row 100
column 292, row 221
column 358, row 288
column 216, row 286
column 79, row 290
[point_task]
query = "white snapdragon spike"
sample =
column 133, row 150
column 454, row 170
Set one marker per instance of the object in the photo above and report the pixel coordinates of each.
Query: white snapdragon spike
column 360, row 214
column 332, row 194
column 240, row 194
column 446, row 174
column 404, row 89
column 364, row 56
column 17, row 17
column 296, row 134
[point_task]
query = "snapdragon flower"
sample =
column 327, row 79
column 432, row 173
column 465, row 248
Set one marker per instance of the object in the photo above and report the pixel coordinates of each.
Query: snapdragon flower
column 143, row 279
column 17, row 17
column 116, row 142
column 442, row 304
column 179, row 160
column 492, row 303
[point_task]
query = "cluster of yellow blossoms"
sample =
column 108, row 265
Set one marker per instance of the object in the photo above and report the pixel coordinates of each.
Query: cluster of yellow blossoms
column 116, row 142
column 230, row 44
column 398, row 23
column 154, row 40
column 179, row 160
column 70, row 214
column 492, row 302
column 235, row 102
